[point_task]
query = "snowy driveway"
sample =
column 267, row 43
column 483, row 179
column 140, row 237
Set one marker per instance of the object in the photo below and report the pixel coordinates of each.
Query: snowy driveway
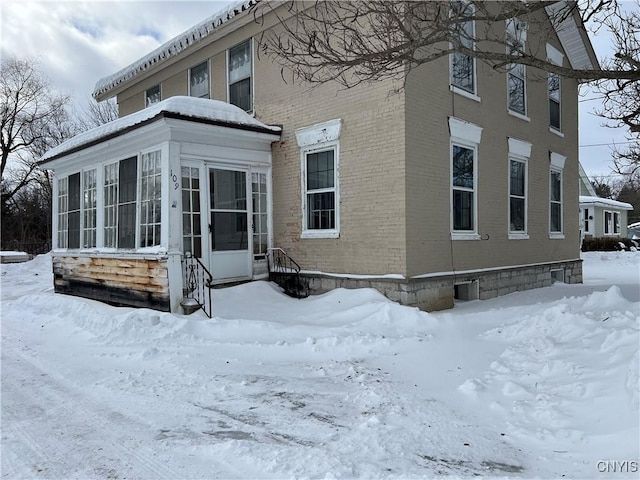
column 342, row 385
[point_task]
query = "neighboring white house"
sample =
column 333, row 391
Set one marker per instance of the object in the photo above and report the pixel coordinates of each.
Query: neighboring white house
column 600, row 217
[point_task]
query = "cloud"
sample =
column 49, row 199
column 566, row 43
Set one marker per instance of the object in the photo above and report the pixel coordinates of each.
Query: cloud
column 78, row 43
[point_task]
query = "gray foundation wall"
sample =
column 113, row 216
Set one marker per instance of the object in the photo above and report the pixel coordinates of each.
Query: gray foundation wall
column 437, row 293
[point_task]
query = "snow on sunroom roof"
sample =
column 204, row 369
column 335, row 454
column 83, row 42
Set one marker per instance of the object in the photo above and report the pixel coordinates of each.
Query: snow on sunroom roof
column 191, row 107
column 173, row 46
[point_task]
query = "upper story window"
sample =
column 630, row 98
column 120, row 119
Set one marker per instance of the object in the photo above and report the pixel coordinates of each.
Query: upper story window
column 199, row 80
column 463, row 66
column 554, row 89
column 516, row 75
column 152, row 95
column 239, row 76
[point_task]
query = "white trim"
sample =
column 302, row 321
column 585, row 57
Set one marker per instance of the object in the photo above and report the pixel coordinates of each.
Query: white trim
column 518, row 236
column 306, row 232
column 557, row 160
column 464, row 131
column 556, row 131
column 460, row 235
column 464, row 93
column 518, row 115
column 491, row 269
column 319, row 133
column 519, row 148
column 524, row 158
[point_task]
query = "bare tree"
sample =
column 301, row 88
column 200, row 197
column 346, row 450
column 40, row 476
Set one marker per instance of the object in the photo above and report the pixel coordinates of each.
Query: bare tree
column 98, row 113
column 370, row 40
column 26, row 105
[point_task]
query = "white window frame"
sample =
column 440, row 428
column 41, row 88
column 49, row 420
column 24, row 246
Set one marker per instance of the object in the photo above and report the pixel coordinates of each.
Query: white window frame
column 329, row 232
column 556, row 165
column 251, row 77
column 556, row 57
column 147, row 103
column 85, row 195
column 467, row 135
column 519, row 151
column 142, row 199
column 314, row 139
column 62, row 225
column 208, row 95
column 516, row 32
column 473, row 95
column 612, row 224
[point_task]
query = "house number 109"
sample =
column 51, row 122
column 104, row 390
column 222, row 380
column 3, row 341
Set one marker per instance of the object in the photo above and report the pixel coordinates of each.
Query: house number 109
column 174, row 179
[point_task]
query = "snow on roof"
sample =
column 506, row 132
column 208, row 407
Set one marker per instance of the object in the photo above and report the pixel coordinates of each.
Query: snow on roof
column 605, row 202
column 173, row 46
column 191, row 107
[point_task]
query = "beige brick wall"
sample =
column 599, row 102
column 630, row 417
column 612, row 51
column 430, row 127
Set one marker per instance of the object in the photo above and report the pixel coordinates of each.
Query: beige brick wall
column 395, row 165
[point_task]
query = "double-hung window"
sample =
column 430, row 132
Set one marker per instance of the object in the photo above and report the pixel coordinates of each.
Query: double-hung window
column 464, row 188
column 516, row 75
column 152, row 96
column 63, row 210
column 463, row 66
column 555, row 220
column 465, row 139
column 554, row 90
column 199, row 80
column 320, row 154
column 517, row 196
column 519, row 154
column 239, row 76
column 555, row 195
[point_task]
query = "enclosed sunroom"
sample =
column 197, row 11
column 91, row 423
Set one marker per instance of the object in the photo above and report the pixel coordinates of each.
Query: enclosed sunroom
column 184, row 178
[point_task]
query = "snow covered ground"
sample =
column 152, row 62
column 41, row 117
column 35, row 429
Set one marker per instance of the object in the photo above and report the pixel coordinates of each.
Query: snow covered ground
column 540, row 384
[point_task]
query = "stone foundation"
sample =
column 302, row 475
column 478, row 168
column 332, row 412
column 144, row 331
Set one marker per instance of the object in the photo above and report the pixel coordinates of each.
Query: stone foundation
column 438, row 292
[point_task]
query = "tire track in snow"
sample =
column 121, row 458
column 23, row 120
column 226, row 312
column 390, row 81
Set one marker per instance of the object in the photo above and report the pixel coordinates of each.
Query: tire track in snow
column 52, row 430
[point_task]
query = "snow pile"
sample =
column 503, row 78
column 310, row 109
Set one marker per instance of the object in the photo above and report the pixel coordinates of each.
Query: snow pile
column 343, row 385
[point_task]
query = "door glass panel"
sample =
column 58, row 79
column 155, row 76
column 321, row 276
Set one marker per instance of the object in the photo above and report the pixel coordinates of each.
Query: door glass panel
column 228, row 201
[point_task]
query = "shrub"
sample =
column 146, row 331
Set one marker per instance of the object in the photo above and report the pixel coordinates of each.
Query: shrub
column 607, row 244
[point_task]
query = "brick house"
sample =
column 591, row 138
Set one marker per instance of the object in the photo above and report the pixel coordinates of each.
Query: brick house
column 458, row 186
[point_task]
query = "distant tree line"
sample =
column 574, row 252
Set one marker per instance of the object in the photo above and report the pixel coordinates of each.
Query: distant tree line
column 34, row 119
column 623, row 189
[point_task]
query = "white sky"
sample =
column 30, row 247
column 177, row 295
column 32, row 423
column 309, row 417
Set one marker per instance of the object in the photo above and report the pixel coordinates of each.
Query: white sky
column 78, row 43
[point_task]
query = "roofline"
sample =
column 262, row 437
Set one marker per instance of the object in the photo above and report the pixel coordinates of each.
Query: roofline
column 160, row 116
column 106, row 87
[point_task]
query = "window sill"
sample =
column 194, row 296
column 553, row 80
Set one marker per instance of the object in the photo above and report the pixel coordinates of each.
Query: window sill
column 556, row 236
column 519, row 115
column 518, row 236
column 464, row 93
column 556, row 132
column 320, row 234
column 464, row 236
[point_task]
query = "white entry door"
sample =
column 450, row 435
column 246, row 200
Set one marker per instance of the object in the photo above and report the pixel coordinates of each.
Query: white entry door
column 229, row 236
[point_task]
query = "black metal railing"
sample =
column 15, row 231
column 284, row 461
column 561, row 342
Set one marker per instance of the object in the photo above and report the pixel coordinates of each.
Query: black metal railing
column 284, row 271
column 196, row 285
